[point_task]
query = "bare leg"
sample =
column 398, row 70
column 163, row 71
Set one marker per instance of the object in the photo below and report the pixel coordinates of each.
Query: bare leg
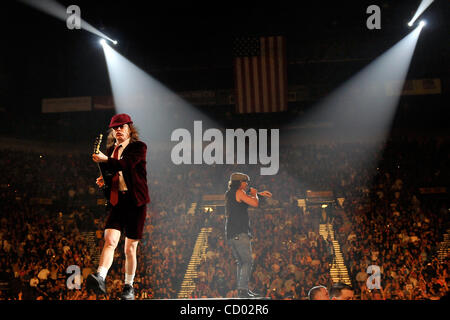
column 130, row 256
column 112, row 237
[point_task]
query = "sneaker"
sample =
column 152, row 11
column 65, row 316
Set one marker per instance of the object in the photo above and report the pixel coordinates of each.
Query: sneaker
column 128, row 292
column 245, row 294
column 96, row 283
column 253, row 294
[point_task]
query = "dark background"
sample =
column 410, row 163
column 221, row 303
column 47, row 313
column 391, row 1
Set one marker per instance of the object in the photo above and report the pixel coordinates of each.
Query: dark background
column 188, row 46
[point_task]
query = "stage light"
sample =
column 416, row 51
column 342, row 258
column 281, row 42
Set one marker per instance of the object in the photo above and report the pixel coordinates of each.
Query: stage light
column 103, row 41
column 422, row 7
column 421, row 23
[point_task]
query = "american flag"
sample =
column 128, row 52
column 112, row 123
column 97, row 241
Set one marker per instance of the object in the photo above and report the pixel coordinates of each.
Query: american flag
column 260, row 74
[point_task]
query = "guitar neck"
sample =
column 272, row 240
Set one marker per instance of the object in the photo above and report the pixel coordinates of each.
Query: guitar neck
column 97, row 144
column 99, row 169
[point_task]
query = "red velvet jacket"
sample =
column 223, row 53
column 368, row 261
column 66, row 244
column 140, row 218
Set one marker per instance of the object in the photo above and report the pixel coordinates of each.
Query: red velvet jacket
column 133, row 166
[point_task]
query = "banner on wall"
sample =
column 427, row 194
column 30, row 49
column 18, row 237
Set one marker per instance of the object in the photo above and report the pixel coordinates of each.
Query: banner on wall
column 415, row 87
column 74, row 104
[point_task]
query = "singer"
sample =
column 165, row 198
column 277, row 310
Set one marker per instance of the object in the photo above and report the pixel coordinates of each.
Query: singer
column 125, row 172
column 237, row 228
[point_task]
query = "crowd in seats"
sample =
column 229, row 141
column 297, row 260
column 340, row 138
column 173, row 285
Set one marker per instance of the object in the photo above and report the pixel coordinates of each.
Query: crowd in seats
column 382, row 223
column 46, row 214
column 384, row 217
column 398, row 228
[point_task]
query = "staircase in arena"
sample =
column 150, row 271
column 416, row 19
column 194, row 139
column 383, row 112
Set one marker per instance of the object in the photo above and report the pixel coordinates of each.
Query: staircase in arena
column 338, row 270
column 444, row 247
column 92, row 243
column 199, row 253
column 192, row 209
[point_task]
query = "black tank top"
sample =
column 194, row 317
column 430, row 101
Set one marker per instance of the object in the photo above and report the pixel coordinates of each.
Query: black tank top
column 236, row 216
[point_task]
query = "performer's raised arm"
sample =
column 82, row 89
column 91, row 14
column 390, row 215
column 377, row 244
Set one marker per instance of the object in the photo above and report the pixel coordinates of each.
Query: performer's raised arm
column 250, row 199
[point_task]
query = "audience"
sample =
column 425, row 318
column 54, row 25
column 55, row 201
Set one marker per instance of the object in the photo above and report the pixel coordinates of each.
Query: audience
column 46, row 215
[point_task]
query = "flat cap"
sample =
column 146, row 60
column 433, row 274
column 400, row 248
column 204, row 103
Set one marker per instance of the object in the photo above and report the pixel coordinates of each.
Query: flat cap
column 120, row 119
column 238, row 176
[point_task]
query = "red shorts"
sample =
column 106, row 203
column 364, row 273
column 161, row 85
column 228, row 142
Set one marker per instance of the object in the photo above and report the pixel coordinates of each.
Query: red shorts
column 127, row 217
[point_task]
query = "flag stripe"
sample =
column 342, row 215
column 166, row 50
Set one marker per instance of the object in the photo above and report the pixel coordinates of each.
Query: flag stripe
column 269, row 75
column 279, row 75
column 239, row 96
column 264, row 76
column 282, row 74
column 257, row 84
column 248, row 99
column 284, row 93
column 251, row 105
column 275, row 76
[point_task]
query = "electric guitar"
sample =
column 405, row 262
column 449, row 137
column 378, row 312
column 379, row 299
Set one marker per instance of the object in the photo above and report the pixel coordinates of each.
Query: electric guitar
column 103, row 172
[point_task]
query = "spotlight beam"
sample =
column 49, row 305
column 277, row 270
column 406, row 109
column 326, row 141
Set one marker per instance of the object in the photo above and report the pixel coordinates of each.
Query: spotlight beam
column 58, row 11
column 156, row 109
column 422, row 7
column 364, row 106
column 367, row 89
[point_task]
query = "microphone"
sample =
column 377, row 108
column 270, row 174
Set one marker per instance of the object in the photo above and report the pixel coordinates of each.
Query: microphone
column 258, row 193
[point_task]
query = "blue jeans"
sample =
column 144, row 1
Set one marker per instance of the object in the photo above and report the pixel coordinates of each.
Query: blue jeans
column 241, row 248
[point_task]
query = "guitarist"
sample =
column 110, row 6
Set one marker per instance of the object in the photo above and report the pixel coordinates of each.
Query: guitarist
column 124, row 173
